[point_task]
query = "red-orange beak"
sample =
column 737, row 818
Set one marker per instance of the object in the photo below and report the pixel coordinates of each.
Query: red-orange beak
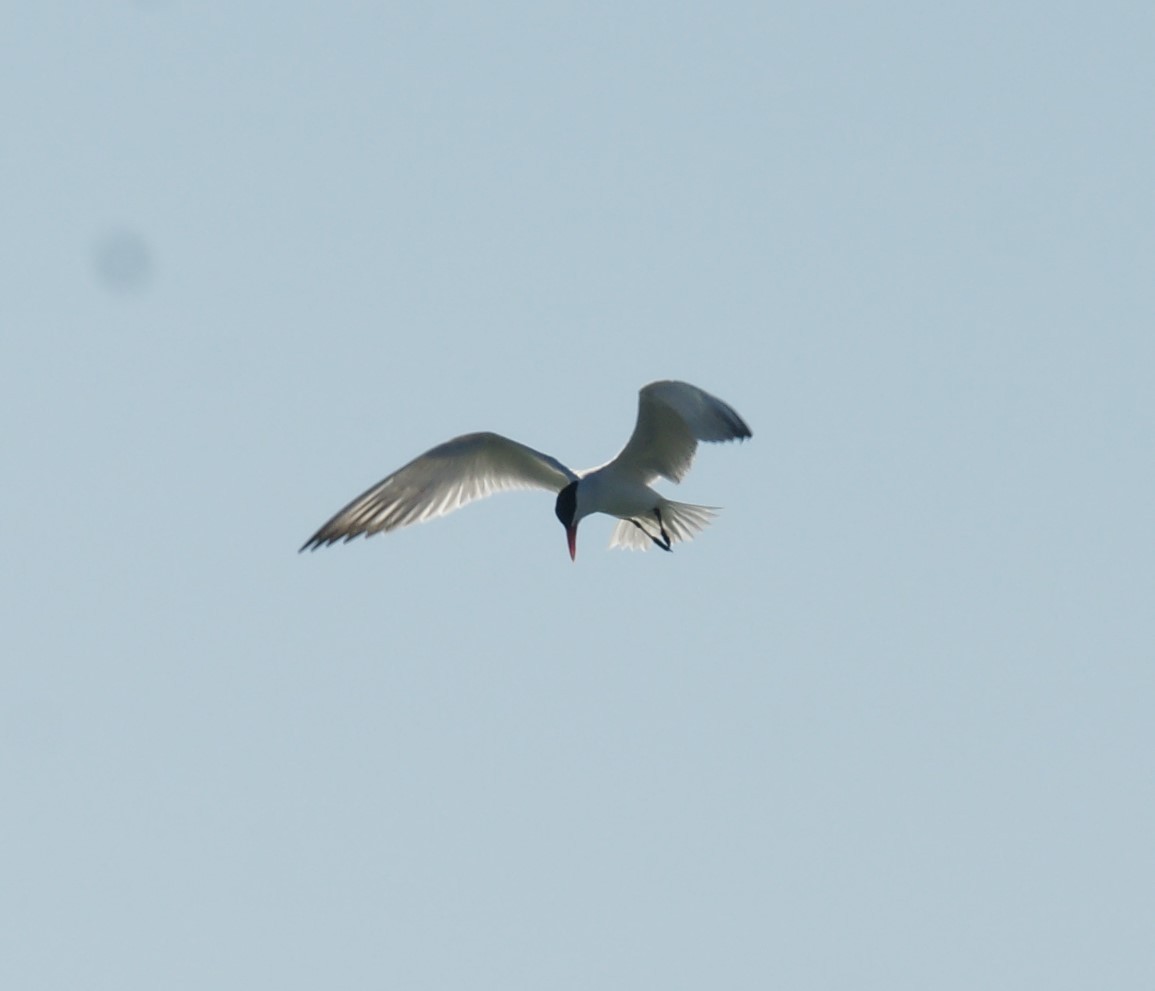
column 571, row 536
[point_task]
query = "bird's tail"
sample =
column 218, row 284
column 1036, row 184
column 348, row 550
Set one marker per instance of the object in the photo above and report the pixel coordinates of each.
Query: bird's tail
column 680, row 520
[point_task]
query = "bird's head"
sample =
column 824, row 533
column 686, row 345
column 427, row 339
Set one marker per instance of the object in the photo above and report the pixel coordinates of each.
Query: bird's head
column 566, row 510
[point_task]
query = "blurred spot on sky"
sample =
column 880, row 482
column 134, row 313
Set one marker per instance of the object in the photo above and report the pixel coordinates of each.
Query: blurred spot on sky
column 123, row 261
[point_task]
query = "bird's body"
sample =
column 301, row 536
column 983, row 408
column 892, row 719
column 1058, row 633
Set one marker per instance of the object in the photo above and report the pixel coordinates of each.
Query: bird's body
column 672, row 418
column 604, row 490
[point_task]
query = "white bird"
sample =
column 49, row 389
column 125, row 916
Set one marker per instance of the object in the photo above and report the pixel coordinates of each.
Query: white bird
column 672, row 418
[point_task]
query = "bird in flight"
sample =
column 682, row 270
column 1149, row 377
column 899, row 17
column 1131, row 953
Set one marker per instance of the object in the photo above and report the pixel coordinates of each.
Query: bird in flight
column 672, row 418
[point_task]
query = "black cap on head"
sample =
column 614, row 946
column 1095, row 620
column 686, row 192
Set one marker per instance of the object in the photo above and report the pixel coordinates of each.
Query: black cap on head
column 566, row 504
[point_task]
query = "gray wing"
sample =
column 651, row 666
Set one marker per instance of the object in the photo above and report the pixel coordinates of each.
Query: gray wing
column 441, row 480
column 672, row 418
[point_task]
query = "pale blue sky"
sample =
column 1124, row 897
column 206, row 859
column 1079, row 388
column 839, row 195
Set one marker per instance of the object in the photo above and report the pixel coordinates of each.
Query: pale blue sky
column 886, row 724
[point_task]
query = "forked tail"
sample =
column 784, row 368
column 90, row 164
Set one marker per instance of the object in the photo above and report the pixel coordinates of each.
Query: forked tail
column 679, row 519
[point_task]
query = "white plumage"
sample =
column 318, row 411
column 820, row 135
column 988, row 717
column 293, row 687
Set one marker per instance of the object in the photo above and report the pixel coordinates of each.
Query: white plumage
column 672, row 418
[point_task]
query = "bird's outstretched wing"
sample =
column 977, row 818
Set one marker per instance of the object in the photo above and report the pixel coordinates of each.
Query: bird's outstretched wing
column 441, row 480
column 672, row 418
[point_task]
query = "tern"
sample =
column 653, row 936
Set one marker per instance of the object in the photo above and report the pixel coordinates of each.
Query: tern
column 672, row 418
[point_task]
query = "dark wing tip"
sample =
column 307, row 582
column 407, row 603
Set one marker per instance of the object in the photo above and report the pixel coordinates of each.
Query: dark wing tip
column 738, row 428
column 326, row 537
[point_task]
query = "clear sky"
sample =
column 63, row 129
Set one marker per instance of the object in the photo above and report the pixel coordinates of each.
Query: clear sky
column 887, row 724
